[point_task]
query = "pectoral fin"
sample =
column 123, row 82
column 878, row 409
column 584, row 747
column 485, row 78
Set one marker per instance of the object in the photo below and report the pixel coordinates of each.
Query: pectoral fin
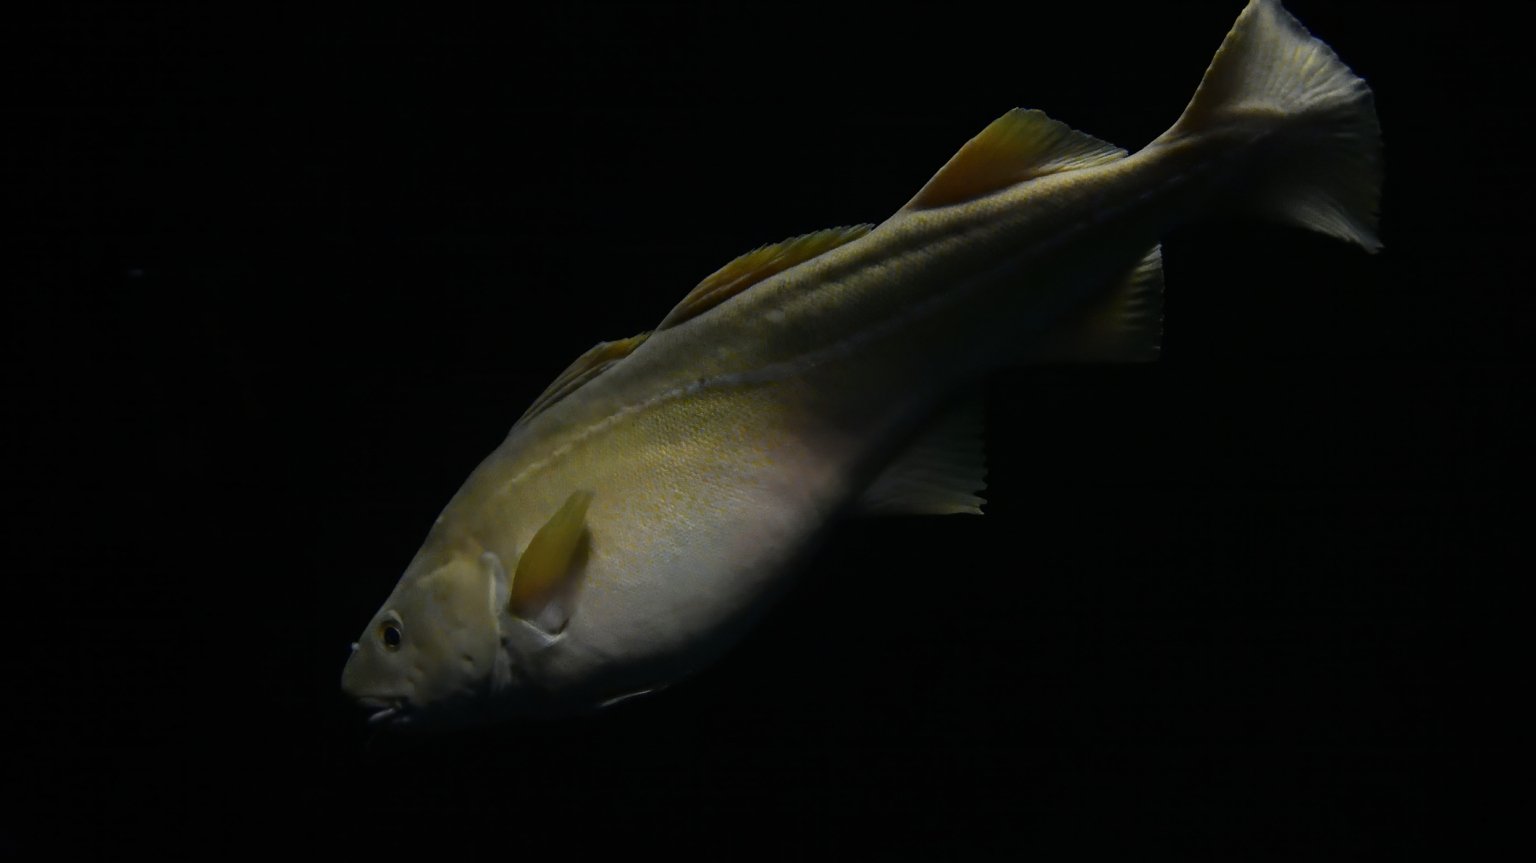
column 544, row 586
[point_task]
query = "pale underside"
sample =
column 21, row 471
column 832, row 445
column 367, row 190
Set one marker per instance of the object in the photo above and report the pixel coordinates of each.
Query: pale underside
column 719, row 447
column 661, row 490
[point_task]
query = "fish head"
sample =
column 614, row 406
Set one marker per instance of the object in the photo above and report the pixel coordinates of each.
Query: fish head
column 429, row 656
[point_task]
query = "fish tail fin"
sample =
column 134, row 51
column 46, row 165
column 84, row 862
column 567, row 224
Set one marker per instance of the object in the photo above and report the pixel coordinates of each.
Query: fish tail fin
column 1323, row 168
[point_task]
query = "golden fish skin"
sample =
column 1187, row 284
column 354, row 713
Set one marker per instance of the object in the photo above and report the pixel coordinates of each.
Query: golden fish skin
column 660, row 493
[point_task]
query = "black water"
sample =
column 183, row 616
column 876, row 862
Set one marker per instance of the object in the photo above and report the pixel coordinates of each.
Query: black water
column 281, row 278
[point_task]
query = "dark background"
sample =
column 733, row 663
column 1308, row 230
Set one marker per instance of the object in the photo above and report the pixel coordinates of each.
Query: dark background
column 281, row 277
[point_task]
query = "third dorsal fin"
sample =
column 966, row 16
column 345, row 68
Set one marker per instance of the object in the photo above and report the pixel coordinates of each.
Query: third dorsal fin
column 756, row 265
column 1018, row 146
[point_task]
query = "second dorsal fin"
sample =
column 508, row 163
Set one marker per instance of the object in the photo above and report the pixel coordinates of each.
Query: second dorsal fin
column 756, row 265
column 589, row 365
column 1018, row 146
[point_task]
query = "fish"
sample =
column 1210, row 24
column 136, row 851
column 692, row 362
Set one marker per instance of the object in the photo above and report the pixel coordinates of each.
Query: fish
column 664, row 489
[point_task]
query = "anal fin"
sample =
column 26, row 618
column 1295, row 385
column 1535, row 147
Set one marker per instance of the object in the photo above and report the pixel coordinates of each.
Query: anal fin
column 1125, row 325
column 940, row 473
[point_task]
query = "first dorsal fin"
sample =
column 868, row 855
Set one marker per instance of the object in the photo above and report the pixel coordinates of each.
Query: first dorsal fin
column 756, row 265
column 1018, row 146
column 589, row 365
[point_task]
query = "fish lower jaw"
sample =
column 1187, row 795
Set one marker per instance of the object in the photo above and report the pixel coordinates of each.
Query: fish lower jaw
column 386, row 710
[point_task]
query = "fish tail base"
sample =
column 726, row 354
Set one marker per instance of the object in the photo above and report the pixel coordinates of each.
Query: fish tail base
column 1322, row 168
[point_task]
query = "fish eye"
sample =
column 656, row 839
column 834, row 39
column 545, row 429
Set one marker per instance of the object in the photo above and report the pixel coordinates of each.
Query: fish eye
column 389, row 633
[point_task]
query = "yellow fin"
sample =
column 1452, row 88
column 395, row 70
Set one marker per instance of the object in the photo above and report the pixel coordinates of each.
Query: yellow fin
column 589, row 365
column 543, row 587
column 756, row 265
column 940, row 473
column 1018, row 146
column 1126, row 325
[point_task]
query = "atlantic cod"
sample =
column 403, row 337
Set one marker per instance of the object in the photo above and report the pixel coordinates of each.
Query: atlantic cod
column 664, row 489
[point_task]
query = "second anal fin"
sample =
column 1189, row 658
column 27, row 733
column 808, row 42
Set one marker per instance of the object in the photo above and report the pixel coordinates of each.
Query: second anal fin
column 1124, row 326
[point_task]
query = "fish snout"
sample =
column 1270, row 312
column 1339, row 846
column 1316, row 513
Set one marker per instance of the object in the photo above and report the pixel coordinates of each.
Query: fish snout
column 358, row 684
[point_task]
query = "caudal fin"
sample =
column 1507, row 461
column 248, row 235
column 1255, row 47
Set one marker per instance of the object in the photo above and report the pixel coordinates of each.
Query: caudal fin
column 1324, row 171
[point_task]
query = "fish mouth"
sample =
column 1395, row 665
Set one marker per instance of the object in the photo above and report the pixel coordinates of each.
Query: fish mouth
column 386, row 710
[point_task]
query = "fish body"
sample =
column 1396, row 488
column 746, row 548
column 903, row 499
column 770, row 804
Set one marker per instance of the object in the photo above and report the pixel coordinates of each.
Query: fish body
column 663, row 490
